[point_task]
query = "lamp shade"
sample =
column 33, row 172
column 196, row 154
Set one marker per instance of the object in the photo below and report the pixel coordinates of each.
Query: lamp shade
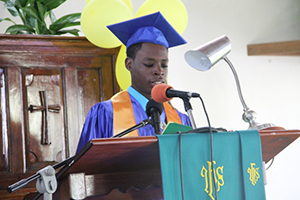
column 205, row 56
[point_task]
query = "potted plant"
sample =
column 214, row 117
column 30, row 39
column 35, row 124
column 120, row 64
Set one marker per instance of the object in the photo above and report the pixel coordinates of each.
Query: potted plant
column 34, row 14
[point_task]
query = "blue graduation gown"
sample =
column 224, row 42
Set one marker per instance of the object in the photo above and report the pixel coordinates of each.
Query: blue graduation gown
column 99, row 121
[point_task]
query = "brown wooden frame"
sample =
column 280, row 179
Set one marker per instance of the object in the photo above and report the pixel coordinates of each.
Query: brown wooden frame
column 72, row 56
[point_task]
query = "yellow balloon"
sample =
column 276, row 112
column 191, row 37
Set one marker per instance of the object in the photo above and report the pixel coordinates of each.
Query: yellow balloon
column 122, row 74
column 173, row 10
column 97, row 14
column 128, row 3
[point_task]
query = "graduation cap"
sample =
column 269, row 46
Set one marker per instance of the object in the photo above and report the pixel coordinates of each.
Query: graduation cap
column 153, row 28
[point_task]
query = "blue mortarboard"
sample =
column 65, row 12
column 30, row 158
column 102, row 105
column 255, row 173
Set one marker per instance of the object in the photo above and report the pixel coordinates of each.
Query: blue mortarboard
column 153, row 28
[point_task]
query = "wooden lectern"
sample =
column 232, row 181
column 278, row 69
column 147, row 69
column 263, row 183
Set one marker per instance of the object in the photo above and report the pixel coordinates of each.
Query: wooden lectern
column 129, row 168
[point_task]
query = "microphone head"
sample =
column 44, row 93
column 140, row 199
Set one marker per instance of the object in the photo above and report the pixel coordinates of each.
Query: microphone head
column 153, row 105
column 158, row 93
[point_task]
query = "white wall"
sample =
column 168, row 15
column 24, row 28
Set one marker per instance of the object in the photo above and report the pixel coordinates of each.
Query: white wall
column 270, row 84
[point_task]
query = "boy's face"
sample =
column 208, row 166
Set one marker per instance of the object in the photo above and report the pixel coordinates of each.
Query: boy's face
column 150, row 67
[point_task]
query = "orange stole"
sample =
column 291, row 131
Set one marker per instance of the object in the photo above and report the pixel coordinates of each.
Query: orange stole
column 124, row 117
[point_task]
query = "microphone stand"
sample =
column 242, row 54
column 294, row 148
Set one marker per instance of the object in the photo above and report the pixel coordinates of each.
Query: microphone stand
column 47, row 181
column 139, row 125
column 188, row 109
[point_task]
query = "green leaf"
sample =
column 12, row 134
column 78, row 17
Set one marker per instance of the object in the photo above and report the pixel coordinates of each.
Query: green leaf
column 36, row 26
column 64, row 21
column 72, row 31
column 42, row 10
column 41, row 28
column 31, row 2
column 23, row 2
column 13, row 11
column 44, row 30
column 29, row 20
column 19, row 3
column 72, row 24
column 20, row 28
column 10, row 3
column 51, row 4
column 6, row 19
column 32, row 12
column 52, row 17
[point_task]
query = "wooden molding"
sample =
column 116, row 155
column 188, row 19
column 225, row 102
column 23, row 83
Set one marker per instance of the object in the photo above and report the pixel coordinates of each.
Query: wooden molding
column 289, row 48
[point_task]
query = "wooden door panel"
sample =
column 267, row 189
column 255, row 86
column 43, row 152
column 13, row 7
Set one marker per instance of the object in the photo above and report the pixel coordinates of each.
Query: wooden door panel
column 107, row 78
column 45, row 115
column 15, row 121
column 88, row 86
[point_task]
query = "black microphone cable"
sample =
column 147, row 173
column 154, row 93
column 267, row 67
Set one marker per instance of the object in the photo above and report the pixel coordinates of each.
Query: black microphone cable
column 270, row 164
column 211, row 153
column 211, row 149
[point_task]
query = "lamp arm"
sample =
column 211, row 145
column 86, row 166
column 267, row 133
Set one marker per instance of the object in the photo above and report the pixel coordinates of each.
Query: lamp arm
column 237, row 83
column 249, row 115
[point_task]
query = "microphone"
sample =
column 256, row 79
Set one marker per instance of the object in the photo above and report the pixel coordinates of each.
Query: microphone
column 163, row 92
column 153, row 110
column 137, row 126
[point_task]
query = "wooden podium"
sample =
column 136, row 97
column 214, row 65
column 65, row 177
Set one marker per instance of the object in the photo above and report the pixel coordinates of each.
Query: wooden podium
column 129, row 168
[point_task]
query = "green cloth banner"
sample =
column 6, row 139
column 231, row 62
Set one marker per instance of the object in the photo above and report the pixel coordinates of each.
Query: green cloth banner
column 237, row 163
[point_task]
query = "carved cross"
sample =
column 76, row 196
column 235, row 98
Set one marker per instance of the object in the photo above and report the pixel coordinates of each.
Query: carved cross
column 45, row 108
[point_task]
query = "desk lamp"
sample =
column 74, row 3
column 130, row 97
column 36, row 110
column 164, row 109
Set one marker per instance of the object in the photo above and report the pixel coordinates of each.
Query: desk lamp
column 207, row 55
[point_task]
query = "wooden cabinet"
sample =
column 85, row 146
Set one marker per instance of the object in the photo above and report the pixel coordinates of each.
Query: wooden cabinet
column 48, row 84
